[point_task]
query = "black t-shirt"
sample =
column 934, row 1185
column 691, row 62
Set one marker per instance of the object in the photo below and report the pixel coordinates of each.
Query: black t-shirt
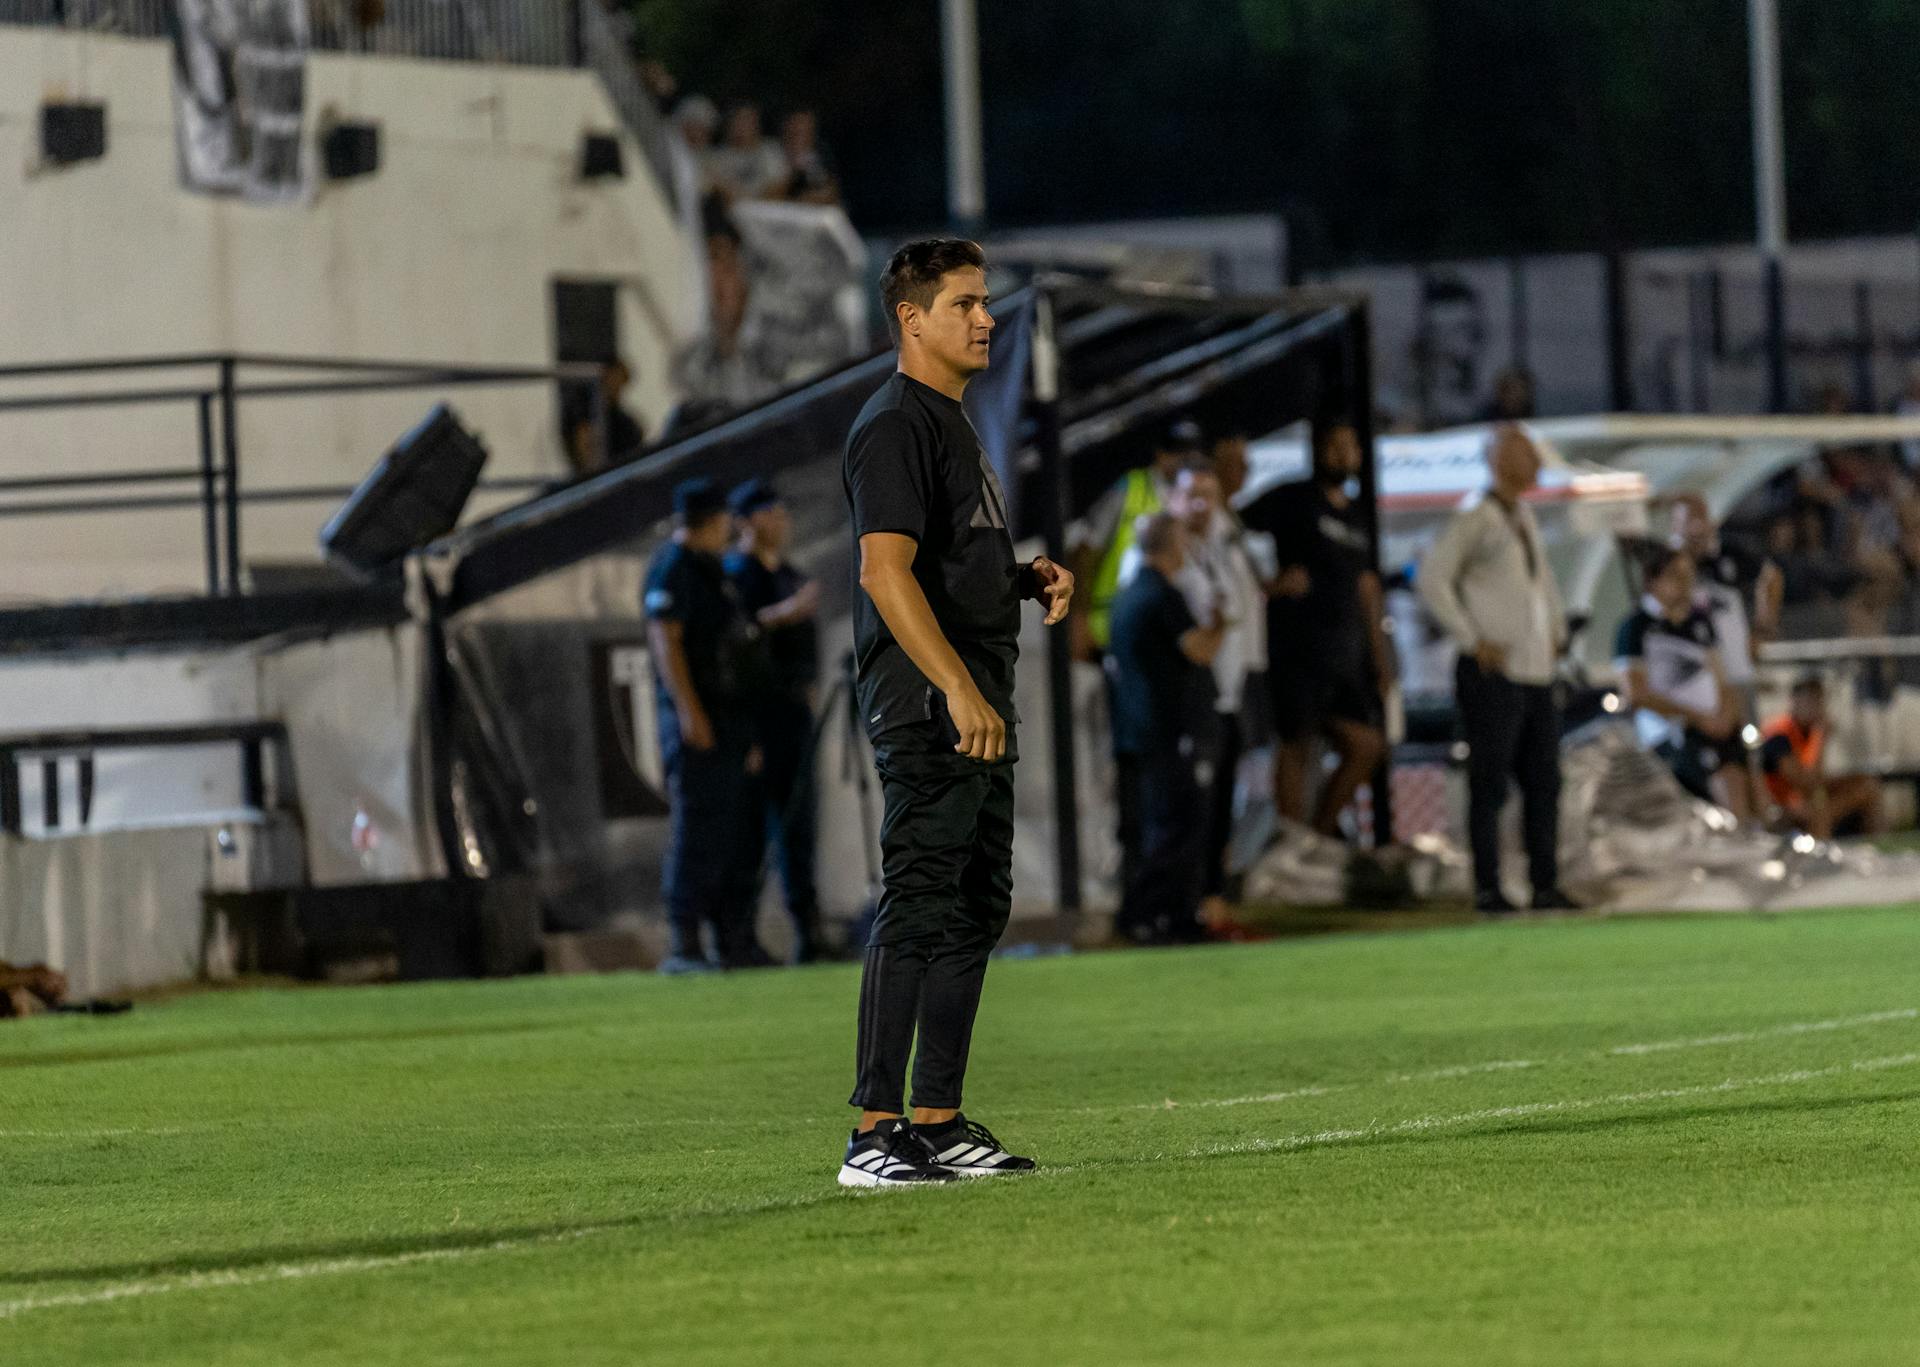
column 1331, row 544
column 914, row 466
column 1159, row 695
column 689, row 587
column 794, row 649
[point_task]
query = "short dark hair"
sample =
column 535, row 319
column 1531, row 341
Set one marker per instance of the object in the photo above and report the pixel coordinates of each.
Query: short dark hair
column 913, row 273
column 1660, row 558
column 1155, row 533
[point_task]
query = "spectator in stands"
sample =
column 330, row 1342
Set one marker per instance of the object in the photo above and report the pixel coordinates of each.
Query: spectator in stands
column 625, row 437
column 785, row 603
column 810, row 177
column 1908, row 406
column 1728, row 580
column 747, row 164
column 1328, row 612
column 1164, row 719
column 1512, row 399
column 1101, row 540
column 729, row 368
column 700, row 641
column 658, row 80
column 1793, row 754
column 696, row 120
column 1670, row 668
column 1488, row 584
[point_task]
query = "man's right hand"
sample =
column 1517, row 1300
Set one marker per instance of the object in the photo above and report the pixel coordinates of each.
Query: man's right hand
column 1491, row 657
column 1294, row 582
column 696, row 730
column 983, row 733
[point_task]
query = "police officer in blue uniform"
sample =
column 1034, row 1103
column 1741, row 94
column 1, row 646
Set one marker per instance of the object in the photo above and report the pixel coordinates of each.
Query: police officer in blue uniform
column 783, row 602
column 704, row 648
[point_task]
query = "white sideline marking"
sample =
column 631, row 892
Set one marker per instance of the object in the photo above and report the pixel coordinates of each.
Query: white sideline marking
column 281, row 1272
column 1517, row 1064
column 1771, row 1032
column 1504, row 1065
column 141, row 1131
column 1420, row 1124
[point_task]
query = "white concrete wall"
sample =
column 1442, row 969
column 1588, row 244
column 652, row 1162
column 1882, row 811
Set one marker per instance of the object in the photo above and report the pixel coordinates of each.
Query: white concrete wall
column 446, row 254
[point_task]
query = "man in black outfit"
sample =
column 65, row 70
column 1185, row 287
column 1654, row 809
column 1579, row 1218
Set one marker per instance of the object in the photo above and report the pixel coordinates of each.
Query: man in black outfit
column 783, row 602
column 694, row 629
column 1160, row 661
column 1330, row 663
column 936, row 635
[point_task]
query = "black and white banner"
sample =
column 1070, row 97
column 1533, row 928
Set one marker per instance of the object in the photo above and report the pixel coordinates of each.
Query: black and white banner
column 239, row 83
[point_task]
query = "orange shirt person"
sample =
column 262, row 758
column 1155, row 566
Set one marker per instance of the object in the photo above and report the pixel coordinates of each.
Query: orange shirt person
column 1793, row 758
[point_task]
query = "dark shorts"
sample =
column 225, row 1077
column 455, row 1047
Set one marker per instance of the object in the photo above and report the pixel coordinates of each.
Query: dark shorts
column 1306, row 704
column 1697, row 757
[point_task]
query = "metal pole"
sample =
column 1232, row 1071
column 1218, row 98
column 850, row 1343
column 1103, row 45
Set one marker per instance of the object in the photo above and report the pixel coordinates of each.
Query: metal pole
column 1863, row 388
column 1519, row 342
column 230, row 457
column 1357, row 365
column 1699, row 337
column 1619, row 334
column 1769, row 185
column 966, row 155
column 209, row 507
column 1055, row 512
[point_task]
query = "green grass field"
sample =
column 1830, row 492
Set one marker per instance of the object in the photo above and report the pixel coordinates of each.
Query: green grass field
column 1627, row 1141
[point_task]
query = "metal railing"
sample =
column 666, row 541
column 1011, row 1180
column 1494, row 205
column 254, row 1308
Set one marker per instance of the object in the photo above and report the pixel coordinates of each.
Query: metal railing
column 50, row 748
column 214, row 384
column 556, row 33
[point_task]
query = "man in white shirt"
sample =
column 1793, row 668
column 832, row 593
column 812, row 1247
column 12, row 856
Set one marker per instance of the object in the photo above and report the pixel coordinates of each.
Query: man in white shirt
column 1487, row 583
column 1726, row 582
column 1221, row 588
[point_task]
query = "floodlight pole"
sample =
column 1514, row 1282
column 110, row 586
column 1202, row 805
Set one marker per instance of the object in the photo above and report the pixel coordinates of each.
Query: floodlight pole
column 966, row 155
column 1769, row 186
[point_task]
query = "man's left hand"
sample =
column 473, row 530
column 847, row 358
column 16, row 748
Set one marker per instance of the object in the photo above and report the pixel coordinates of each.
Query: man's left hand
column 1056, row 587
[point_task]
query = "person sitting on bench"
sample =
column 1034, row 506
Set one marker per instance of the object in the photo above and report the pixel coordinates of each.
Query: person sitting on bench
column 1793, row 758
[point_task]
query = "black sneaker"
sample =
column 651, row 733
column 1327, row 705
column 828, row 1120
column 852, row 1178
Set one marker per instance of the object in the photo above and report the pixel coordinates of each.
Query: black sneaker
column 889, row 1155
column 1492, row 904
column 1555, row 900
column 968, row 1148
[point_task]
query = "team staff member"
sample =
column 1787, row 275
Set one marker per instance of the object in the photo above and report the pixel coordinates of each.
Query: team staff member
column 784, row 602
column 1160, row 660
column 1669, row 657
column 1488, row 585
column 1103, row 540
column 936, row 635
column 1725, row 582
column 695, row 627
column 1329, row 613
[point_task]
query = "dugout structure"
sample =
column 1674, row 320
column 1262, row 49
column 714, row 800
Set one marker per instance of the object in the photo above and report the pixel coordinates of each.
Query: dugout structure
column 538, row 706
